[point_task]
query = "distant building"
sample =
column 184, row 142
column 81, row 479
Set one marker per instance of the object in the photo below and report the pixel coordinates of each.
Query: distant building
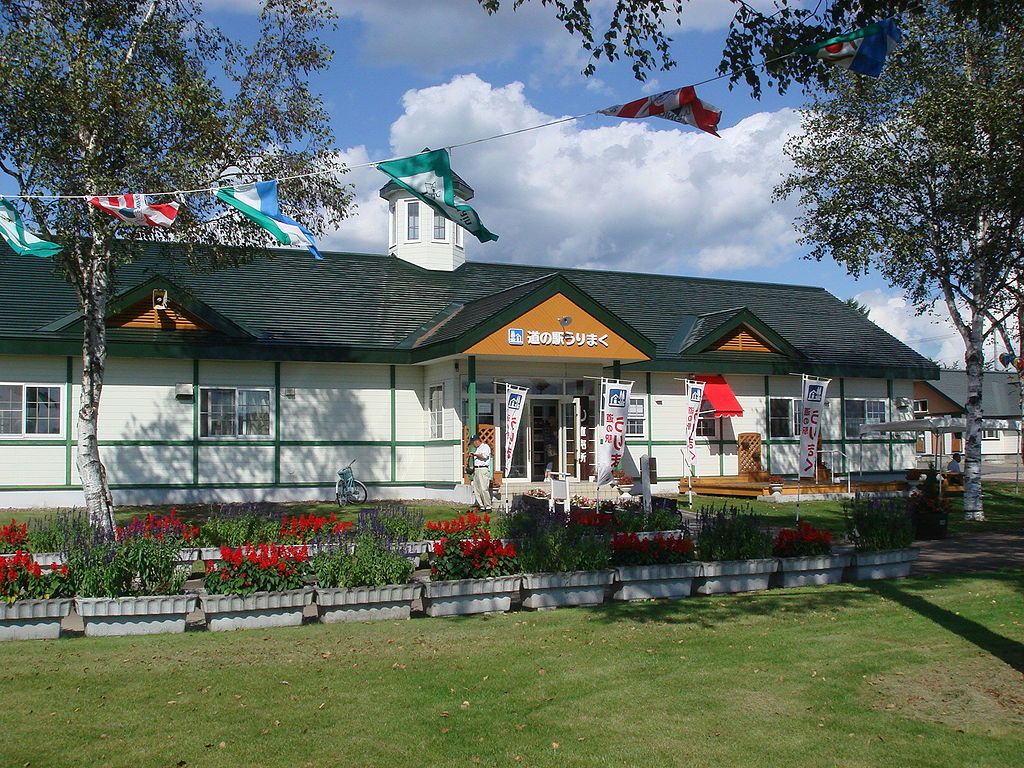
column 1000, row 398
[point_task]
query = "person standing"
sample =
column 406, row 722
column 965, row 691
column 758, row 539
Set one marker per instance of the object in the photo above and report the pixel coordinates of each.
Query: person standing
column 481, row 454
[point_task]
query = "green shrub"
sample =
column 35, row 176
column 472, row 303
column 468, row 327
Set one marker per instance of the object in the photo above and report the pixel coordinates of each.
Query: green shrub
column 56, row 532
column 878, row 523
column 233, row 525
column 556, row 548
column 729, row 534
column 370, row 564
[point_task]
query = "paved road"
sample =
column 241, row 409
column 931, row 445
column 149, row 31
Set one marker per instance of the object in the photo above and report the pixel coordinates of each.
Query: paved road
column 976, row 553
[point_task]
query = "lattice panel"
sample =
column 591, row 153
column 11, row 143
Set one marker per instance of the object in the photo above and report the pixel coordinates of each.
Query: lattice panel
column 749, row 452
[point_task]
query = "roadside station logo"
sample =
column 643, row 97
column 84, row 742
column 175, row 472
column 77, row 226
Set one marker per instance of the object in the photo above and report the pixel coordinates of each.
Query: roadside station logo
column 516, row 337
column 814, row 393
column 617, row 398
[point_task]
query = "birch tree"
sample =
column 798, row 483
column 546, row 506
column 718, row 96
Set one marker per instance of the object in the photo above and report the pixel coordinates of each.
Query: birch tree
column 918, row 175
column 125, row 96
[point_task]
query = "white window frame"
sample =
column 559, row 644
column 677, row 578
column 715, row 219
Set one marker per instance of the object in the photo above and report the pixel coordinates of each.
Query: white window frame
column 636, row 426
column 793, row 419
column 23, row 435
column 458, row 234
column 410, row 206
column 707, row 425
column 204, row 423
column 990, row 434
column 853, row 424
column 435, row 411
column 439, row 219
column 920, row 406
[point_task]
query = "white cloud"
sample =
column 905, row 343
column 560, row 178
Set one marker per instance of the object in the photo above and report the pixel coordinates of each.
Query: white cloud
column 932, row 334
column 611, row 194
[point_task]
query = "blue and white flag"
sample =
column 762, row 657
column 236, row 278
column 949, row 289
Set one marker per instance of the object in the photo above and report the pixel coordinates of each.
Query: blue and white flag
column 863, row 51
column 259, row 202
column 23, row 242
column 612, row 429
column 428, row 176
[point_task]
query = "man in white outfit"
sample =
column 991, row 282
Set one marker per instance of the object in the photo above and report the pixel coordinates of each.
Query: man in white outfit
column 481, row 454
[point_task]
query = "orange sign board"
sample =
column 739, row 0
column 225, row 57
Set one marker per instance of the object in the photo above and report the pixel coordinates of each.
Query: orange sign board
column 557, row 327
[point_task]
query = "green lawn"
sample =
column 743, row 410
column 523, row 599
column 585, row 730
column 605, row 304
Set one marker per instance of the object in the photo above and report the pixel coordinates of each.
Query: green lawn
column 914, row 673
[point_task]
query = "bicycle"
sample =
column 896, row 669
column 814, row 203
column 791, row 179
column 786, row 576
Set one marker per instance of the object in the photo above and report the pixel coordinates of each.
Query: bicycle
column 348, row 490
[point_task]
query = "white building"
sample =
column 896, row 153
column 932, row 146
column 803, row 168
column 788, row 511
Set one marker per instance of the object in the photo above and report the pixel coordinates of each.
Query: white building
column 259, row 381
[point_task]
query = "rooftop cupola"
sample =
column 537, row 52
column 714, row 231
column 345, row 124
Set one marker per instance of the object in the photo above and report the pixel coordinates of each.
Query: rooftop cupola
column 420, row 235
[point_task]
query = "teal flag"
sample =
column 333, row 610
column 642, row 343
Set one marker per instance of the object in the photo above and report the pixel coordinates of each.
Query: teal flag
column 20, row 239
column 428, row 176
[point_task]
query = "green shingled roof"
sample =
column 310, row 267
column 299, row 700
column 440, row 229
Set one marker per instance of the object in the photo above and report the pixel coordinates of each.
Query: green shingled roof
column 374, row 304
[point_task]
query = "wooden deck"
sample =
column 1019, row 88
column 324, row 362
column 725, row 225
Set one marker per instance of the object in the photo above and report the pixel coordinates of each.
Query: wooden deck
column 746, row 488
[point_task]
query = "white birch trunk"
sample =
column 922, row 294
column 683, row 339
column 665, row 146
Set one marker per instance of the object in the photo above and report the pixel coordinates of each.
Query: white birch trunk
column 96, row 285
column 974, row 357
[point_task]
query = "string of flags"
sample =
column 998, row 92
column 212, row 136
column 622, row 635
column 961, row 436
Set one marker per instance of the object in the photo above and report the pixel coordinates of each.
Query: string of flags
column 428, row 175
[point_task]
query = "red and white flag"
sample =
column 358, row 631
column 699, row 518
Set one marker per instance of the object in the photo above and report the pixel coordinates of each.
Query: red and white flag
column 681, row 105
column 137, row 210
column 810, row 424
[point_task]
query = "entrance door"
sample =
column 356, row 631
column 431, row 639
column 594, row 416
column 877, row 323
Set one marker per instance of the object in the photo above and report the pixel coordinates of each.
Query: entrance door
column 544, row 439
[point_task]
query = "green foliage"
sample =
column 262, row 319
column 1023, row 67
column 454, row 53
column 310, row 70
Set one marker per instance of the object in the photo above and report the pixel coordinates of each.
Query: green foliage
column 233, row 525
column 918, row 175
column 874, row 524
column 559, row 548
column 369, row 565
column 105, row 97
column 729, row 534
column 638, row 30
column 100, row 565
column 55, row 532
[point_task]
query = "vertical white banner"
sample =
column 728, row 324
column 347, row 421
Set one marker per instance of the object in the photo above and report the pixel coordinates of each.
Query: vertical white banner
column 810, row 424
column 694, row 397
column 515, row 400
column 612, row 430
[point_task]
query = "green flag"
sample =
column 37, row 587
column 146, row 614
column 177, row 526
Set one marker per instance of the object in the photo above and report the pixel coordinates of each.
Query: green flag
column 428, row 176
column 20, row 239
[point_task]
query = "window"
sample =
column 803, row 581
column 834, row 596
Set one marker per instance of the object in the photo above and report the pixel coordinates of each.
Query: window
column 234, row 412
column 392, row 237
column 412, row 212
column 920, row 406
column 707, row 425
column 783, row 417
column 636, row 417
column 458, row 234
column 439, row 228
column 860, row 412
column 29, row 409
column 436, row 403
column 990, row 434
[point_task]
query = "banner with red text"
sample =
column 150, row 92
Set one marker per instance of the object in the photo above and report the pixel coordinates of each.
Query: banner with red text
column 810, row 424
column 515, row 400
column 612, row 428
column 694, row 397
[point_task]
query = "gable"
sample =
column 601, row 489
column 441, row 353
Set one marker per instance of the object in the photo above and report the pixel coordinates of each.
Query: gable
column 557, row 327
column 742, row 339
column 143, row 314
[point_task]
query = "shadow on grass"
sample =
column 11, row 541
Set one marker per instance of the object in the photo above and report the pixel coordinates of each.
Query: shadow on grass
column 1009, row 651
column 711, row 611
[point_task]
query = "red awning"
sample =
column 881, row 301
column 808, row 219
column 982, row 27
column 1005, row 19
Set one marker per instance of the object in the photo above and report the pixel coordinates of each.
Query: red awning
column 718, row 393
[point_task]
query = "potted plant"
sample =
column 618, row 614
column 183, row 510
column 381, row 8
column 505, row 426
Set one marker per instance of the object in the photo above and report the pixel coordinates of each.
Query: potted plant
column 472, row 575
column 653, row 566
column 622, row 481
column 881, row 531
column 13, row 537
column 735, row 549
column 33, row 598
column 368, row 583
column 805, row 557
column 563, row 564
column 131, row 583
column 257, row 586
column 775, row 483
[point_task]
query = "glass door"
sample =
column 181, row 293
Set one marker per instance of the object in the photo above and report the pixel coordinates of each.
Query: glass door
column 543, row 439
